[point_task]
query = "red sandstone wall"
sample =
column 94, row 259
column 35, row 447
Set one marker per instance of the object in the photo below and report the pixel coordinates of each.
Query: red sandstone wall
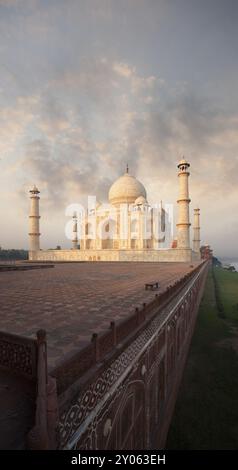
column 129, row 398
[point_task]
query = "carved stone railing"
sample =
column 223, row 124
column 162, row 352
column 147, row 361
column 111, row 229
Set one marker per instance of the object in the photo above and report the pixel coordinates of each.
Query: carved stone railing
column 141, row 358
column 18, row 354
column 102, row 345
column 43, row 434
column 146, row 365
column 27, row 358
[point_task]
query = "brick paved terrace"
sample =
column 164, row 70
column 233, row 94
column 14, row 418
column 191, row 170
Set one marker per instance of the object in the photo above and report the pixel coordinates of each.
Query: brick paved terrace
column 73, row 301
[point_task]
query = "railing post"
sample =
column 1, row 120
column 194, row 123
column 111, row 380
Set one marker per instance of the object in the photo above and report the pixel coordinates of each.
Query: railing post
column 96, row 346
column 43, row 434
column 52, row 412
column 38, row 436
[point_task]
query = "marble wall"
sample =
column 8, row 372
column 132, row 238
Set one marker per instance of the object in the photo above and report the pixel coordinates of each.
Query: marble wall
column 171, row 255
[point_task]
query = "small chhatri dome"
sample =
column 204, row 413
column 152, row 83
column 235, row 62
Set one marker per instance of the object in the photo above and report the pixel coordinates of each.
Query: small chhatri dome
column 126, row 190
column 183, row 162
column 141, row 200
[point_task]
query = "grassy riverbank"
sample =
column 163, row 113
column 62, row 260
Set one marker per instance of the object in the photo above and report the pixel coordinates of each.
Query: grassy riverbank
column 206, row 412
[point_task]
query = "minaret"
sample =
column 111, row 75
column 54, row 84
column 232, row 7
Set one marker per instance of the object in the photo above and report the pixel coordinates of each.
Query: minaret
column 196, row 231
column 183, row 205
column 75, row 232
column 34, row 220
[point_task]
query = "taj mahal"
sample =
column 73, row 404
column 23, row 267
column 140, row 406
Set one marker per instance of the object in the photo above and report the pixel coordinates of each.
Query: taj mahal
column 127, row 228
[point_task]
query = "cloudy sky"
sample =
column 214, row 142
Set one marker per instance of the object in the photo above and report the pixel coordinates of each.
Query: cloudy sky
column 89, row 85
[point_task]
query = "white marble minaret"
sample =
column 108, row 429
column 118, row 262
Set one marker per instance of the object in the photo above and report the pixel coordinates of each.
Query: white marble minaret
column 183, row 224
column 75, row 233
column 196, row 231
column 34, row 220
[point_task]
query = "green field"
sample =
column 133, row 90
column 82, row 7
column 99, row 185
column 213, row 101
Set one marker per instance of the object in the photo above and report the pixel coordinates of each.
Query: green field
column 206, row 412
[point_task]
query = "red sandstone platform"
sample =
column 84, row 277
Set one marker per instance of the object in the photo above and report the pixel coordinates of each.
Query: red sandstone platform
column 73, row 301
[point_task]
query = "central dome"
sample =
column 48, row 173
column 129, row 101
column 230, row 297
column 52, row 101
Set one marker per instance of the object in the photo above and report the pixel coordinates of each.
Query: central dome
column 126, row 189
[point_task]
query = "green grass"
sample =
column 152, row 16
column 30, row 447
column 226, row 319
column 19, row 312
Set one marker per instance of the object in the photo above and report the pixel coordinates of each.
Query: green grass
column 228, row 283
column 206, row 412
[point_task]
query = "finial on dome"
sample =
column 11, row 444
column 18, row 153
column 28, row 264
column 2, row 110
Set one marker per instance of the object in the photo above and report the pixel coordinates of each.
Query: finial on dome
column 127, row 168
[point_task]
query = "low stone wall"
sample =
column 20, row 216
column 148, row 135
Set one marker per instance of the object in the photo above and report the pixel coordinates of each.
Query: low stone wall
column 126, row 400
column 24, row 360
column 171, row 255
column 18, row 354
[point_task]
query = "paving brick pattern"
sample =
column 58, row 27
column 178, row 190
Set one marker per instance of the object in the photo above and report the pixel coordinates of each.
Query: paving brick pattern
column 72, row 301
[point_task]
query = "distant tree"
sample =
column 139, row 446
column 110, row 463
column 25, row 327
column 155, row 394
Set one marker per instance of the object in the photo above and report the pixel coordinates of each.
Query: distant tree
column 231, row 268
column 13, row 254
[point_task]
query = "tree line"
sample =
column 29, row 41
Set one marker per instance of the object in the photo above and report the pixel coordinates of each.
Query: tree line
column 13, row 254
